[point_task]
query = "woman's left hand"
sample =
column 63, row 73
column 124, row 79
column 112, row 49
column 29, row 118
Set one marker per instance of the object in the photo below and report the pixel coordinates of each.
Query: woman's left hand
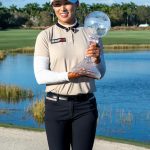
column 94, row 52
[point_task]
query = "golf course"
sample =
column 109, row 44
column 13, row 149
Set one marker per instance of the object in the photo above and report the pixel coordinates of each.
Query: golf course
column 122, row 103
column 12, row 39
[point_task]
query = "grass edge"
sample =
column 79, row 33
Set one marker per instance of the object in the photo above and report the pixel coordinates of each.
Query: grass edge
column 105, row 138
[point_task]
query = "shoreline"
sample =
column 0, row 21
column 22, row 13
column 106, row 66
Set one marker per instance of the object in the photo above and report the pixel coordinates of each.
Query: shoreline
column 107, row 48
column 17, row 139
column 126, row 47
column 101, row 138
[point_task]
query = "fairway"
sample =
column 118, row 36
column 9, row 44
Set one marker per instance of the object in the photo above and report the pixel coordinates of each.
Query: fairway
column 127, row 37
column 17, row 38
column 21, row 38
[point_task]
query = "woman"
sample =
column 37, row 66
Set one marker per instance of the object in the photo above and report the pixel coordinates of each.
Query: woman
column 70, row 106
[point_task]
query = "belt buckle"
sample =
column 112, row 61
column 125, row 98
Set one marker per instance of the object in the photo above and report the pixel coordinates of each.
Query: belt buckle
column 51, row 98
column 62, row 98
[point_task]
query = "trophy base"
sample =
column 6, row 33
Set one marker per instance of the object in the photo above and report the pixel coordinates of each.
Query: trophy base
column 87, row 68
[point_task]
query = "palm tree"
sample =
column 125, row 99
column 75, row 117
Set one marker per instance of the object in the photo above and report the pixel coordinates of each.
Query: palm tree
column 48, row 8
column 116, row 14
column 32, row 9
column 82, row 11
column 13, row 9
column 129, row 9
column 100, row 7
column 143, row 14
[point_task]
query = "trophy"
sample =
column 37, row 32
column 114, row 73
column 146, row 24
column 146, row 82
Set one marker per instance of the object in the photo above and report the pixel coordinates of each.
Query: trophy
column 96, row 24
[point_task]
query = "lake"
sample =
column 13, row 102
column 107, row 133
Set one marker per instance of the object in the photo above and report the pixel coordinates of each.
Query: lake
column 123, row 95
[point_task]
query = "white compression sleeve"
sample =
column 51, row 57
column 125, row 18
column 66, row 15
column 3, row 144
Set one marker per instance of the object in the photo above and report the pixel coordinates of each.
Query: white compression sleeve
column 45, row 76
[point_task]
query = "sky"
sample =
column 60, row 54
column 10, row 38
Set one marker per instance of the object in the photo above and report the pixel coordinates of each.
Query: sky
column 21, row 3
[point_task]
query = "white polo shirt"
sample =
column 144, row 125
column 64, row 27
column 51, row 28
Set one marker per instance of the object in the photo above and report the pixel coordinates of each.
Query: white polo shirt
column 62, row 50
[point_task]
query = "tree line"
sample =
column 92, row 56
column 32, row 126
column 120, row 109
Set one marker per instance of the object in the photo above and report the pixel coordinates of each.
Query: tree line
column 34, row 15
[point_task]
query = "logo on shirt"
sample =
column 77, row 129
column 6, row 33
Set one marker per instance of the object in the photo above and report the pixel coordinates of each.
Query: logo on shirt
column 53, row 41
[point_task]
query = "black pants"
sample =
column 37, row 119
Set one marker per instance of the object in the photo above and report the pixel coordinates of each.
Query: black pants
column 71, row 122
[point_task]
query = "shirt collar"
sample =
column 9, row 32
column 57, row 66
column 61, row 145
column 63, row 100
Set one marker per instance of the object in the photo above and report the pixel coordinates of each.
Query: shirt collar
column 68, row 27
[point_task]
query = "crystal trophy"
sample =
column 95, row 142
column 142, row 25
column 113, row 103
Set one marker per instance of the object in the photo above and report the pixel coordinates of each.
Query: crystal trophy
column 97, row 24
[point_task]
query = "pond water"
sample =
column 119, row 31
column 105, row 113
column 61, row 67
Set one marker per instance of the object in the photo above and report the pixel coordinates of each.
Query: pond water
column 123, row 95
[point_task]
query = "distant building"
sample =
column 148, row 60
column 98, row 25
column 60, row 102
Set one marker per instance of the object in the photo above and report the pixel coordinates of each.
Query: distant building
column 144, row 25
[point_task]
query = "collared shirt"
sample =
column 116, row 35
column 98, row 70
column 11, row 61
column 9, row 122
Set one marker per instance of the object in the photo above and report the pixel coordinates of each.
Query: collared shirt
column 62, row 49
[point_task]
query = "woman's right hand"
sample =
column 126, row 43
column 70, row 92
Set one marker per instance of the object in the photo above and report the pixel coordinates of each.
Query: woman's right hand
column 81, row 72
column 73, row 75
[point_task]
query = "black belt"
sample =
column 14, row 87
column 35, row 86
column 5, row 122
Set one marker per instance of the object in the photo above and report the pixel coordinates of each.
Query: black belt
column 80, row 97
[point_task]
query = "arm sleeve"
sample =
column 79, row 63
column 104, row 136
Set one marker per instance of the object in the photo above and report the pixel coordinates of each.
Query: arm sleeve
column 101, row 66
column 41, row 63
column 43, row 75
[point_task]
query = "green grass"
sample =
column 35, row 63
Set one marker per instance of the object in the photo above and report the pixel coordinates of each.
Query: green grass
column 127, row 37
column 21, row 38
column 131, row 142
column 21, row 127
column 17, row 38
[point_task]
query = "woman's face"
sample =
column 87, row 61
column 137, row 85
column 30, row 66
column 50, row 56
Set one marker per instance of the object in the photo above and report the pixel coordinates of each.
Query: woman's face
column 65, row 11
